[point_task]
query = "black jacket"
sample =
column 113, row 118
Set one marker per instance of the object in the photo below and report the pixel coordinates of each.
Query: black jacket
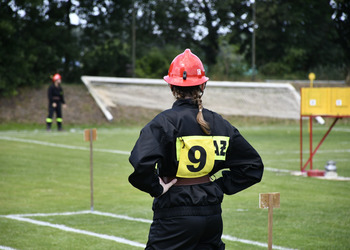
column 55, row 94
column 175, row 133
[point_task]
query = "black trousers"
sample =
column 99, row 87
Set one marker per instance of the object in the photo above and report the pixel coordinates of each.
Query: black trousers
column 186, row 233
column 58, row 111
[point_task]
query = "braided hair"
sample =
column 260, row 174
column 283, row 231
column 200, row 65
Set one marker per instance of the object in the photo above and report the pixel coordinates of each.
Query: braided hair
column 195, row 93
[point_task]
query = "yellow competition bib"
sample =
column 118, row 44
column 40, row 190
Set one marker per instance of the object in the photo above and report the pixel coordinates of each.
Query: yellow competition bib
column 197, row 154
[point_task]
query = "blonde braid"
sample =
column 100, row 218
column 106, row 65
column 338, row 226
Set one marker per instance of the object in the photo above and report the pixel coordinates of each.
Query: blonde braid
column 200, row 118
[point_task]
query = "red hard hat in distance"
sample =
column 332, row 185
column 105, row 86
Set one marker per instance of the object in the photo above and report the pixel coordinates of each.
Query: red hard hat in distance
column 56, row 77
column 186, row 70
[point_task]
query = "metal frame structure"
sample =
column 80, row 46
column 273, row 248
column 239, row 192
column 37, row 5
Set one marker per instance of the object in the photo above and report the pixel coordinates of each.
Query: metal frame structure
column 325, row 102
column 90, row 81
column 313, row 151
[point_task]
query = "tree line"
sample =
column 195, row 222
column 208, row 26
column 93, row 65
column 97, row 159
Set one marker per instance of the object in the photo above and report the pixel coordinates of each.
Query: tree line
column 139, row 38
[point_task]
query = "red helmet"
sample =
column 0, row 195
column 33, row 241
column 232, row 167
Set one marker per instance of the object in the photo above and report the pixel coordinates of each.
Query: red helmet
column 56, row 77
column 186, row 70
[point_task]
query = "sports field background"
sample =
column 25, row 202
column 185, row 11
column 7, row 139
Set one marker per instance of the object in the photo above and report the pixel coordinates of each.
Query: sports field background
column 45, row 173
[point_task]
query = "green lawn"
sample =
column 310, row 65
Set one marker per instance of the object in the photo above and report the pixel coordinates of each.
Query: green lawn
column 44, row 172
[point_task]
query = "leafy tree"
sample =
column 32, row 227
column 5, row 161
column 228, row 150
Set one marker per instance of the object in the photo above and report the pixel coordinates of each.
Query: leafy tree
column 295, row 36
column 341, row 18
column 9, row 65
column 106, row 37
column 193, row 24
column 108, row 59
column 22, row 53
column 37, row 42
column 230, row 63
column 155, row 63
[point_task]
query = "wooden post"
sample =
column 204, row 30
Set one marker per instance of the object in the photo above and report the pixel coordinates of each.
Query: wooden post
column 91, row 135
column 270, row 222
column 270, row 201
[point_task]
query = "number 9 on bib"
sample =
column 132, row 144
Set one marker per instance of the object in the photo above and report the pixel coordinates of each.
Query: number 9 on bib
column 196, row 156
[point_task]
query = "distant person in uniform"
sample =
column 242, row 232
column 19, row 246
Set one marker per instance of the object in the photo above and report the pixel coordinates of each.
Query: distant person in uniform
column 56, row 101
column 177, row 153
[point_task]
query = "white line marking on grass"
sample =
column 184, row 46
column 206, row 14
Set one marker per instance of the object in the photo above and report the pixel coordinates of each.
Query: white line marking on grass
column 128, row 153
column 115, row 151
column 341, row 129
column 79, row 231
column 269, row 161
column 118, row 216
column 255, row 243
column 43, row 143
column 277, row 170
column 6, row 248
column 123, row 217
column 321, row 151
column 21, row 217
column 50, row 214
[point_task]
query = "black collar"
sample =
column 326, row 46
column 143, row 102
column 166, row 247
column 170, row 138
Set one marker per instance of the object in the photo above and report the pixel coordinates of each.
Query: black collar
column 185, row 103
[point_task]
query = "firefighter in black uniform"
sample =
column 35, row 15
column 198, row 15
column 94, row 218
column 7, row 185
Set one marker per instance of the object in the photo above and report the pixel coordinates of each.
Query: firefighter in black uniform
column 175, row 156
column 56, row 101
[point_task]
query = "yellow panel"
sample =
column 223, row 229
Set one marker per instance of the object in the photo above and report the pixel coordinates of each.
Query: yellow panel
column 340, row 101
column 325, row 101
column 315, row 101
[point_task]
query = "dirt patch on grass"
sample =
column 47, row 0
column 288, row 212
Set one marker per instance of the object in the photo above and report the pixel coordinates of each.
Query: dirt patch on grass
column 30, row 105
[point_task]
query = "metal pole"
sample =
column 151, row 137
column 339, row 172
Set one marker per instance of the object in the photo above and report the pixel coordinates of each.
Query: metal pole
column 319, row 144
column 91, row 173
column 324, row 137
column 301, row 143
column 253, row 43
column 310, row 123
column 133, row 39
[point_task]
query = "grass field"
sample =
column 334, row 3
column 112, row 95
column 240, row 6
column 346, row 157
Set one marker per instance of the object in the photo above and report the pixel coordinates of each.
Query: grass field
column 43, row 176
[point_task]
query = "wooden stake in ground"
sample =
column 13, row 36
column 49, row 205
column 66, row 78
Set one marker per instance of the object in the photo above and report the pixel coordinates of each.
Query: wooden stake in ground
column 91, row 135
column 270, row 201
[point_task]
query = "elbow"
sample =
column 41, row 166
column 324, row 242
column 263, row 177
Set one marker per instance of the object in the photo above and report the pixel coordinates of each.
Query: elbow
column 260, row 172
column 256, row 172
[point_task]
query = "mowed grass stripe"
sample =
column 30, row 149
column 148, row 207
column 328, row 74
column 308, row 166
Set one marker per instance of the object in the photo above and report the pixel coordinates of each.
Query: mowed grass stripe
column 23, row 217
column 36, row 178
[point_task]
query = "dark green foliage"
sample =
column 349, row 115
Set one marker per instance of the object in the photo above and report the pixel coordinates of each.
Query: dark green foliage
column 155, row 62
column 296, row 36
column 108, row 59
column 38, row 38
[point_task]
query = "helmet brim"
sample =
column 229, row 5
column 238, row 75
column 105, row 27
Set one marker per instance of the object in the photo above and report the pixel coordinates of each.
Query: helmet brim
column 190, row 81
